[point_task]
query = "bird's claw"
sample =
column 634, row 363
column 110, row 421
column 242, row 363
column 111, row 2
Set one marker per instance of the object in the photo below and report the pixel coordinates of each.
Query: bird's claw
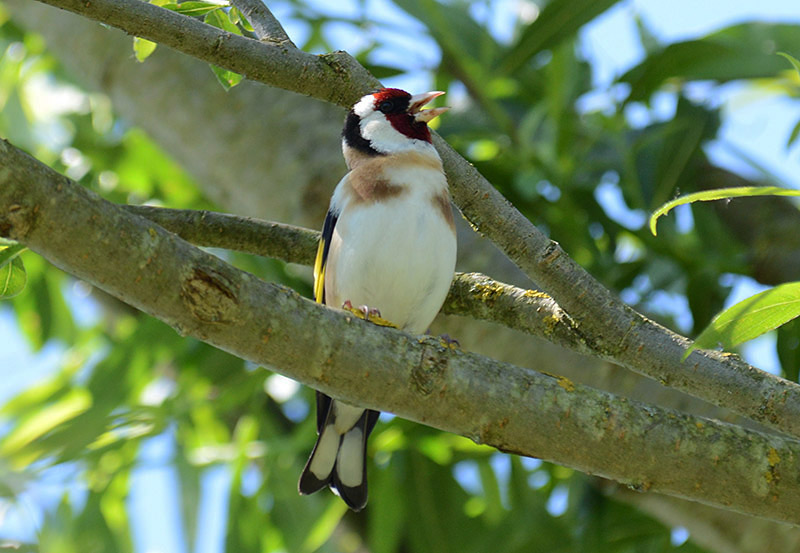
column 447, row 341
column 371, row 314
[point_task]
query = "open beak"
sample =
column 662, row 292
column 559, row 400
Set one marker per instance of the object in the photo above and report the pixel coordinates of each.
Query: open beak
column 419, row 100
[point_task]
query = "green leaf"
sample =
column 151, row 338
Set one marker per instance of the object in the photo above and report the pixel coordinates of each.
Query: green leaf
column 736, row 52
column 43, row 421
column 142, row 48
column 9, row 250
column 195, row 8
column 382, row 71
column 793, row 135
column 491, row 492
column 12, row 272
column 324, row 526
column 228, row 79
column 719, row 194
column 222, row 20
column 751, row 318
column 795, row 63
column 388, row 506
column 238, row 18
column 666, row 152
column 558, row 21
column 788, row 347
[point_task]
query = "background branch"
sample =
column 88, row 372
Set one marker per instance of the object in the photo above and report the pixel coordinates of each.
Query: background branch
column 233, row 232
column 511, row 408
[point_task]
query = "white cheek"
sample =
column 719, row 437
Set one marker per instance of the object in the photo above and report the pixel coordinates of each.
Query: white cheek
column 382, row 135
column 386, row 139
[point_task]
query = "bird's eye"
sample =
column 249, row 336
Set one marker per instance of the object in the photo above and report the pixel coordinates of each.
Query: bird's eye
column 386, row 106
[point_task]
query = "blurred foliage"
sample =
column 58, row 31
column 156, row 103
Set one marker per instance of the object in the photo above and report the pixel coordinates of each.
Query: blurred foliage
column 123, row 381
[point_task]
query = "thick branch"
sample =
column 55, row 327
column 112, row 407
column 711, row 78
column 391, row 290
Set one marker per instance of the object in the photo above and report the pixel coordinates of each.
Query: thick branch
column 335, row 77
column 618, row 332
column 511, row 408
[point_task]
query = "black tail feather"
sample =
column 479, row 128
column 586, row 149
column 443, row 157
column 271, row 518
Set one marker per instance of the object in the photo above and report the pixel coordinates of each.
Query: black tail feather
column 354, row 496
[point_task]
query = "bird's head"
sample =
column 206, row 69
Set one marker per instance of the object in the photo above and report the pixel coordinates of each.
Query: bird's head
column 390, row 121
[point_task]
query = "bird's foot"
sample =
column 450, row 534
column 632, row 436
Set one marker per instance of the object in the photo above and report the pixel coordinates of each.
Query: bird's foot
column 371, row 314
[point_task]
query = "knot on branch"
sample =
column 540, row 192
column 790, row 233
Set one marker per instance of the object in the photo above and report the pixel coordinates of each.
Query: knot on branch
column 551, row 254
column 209, row 296
column 429, row 373
column 18, row 221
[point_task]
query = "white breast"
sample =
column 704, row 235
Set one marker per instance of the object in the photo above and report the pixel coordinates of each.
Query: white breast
column 397, row 255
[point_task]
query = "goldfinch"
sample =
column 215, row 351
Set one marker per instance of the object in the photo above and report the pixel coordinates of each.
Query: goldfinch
column 389, row 245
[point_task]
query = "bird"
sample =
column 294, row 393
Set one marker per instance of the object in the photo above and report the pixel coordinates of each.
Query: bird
column 388, row 246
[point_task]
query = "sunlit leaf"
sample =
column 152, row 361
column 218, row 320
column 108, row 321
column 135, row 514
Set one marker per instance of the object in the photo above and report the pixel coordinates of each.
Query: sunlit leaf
column 69, row 406
column 719, row 194
column 42, row 392
column 221, row 20
column 751, row 318
column 12, row 271
column 793, row 136
column 195, row 8
column 238, row 18
column 9, row 250
column 795, row 63
column 142, row 48
column 228, row 79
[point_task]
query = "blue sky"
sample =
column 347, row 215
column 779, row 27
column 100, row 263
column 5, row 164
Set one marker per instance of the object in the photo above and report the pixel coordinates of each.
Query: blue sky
column 757, row 125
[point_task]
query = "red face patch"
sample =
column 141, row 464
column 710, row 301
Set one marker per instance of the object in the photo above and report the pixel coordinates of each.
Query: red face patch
column 394, row 104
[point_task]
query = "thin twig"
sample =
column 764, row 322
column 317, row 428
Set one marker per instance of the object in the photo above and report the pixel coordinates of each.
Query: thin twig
column 265, row 25
column 233, row 232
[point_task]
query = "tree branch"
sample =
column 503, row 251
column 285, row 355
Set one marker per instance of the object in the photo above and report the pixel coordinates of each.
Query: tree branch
column 513, row 409
column 471, row 294
column 263, row 22
column 234, row 232
column 616, row 330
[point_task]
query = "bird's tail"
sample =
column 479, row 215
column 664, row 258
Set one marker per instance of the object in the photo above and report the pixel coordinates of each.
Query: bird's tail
column 339, row 458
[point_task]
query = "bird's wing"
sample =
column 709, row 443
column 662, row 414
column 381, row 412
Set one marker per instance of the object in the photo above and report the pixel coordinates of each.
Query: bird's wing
column 322, row 255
